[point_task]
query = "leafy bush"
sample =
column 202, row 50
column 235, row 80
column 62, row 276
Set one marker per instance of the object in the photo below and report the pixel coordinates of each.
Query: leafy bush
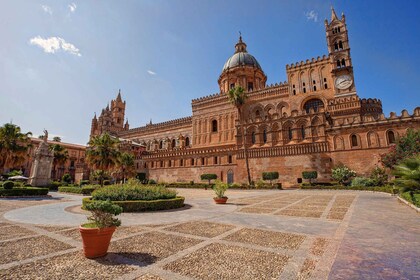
column 186, row 185
column 408, row 176
column 309, row 175
column 85, row 190
column 133, row 192
column 342, row 174
column 14, row 173
column 141, row 176
column 8, row 185
column 151, row 182
column 29, row 191
column 66, row 178
column 143, row 205
column 220, row 188
column 103, row 212
column 407, row 196
column 84, row 182
column 107, row 183
column 405, row 147
column 260, row 184
column 387, row 188
column 208, row 177
column 270, row 176
column 378, row 176
column 53, row 186
column 362, row 182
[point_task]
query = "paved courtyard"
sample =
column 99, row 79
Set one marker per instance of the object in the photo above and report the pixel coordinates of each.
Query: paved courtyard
column 272, row 234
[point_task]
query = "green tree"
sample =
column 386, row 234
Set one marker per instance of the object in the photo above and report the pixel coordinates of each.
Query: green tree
column 406, row 146
column 57, row 139
column 237, row 96
column 60, row 157
column 342, row 174
column 102, row 154
column 310, row 175
column 270, row 176
column 408, row 175
column 208, row 177
column 13, row 146
column 126, row 163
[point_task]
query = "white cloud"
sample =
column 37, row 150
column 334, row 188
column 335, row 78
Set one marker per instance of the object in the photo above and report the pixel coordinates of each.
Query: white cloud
column 151, row 72
column 54, row 44
column 312, row 15
column 47, row 9
column 72, row 7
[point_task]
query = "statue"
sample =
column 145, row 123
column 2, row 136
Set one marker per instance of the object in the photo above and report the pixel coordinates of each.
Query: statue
column 42, row 164
column 45, row 138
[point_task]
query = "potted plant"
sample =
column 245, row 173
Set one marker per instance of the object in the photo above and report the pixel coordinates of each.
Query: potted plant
column 97, row 233
column 220, row 189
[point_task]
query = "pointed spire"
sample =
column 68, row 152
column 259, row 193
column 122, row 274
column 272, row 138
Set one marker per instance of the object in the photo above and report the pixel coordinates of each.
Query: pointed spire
column 107, row 107
column 119, row 96
column 240, row 46
column 333, row 14
column 94, row 117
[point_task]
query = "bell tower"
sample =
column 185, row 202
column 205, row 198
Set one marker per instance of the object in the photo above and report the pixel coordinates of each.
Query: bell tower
column 118, row 112
column 339, row 53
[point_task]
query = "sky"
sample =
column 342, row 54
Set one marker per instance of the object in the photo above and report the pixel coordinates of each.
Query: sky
column 62, row 61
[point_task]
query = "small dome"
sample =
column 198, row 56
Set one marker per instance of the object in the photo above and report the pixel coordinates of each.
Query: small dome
column 241, row 57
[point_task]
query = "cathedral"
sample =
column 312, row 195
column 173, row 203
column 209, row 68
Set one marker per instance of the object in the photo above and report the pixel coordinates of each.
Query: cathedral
column 313, row 121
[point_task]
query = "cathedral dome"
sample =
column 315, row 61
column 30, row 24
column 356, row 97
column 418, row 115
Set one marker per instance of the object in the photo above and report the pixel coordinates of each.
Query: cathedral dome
column 241, row 57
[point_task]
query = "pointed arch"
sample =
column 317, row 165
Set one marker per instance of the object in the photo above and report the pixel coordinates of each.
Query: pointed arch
column 373, row 139
column 338, row 143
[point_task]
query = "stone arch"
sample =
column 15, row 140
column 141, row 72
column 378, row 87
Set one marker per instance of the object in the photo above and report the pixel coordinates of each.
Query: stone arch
column 288, row 131
column 373, row 139
column 315, row 128
column 269, row 110
column 301, row 127
column 338, row 143
column 250, row 134
column 314, row 102
column 282, row 108
column 275, row 129
column 391, row 136
column 355, row 142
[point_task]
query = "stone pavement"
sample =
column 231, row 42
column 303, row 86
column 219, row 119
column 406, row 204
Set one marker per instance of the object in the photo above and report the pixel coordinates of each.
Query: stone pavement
column 258, row 235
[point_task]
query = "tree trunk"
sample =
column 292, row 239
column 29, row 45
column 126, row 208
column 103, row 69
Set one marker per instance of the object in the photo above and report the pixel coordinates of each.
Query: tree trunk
column 245, row 147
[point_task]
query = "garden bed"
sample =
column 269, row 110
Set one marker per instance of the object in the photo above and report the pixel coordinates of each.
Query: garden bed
column 145, row 205
column 386, row 189
column 77, row 190
column 23, row 192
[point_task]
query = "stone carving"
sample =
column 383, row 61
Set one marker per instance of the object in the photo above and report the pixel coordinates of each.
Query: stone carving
column 41, row 167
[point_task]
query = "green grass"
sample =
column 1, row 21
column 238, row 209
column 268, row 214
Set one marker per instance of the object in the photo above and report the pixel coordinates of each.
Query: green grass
column 406, row 196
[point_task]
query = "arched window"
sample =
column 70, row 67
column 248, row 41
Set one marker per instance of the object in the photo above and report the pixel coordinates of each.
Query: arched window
column 181, row 162
column 290, row 134
column 338, row 63
column 160, row 144
column 214, row 126
column 340, row 45
column 192, row 162
column 302, row 131
column 315, row 104
column 169, row 163
column 187, row 142
column 173, row 143
column 391, row 137
column 253, row 137
column 202, row 161
column 354, row 141
column 265, row 136
column 343, row 63
column 229, row 158
column 257, row 113
column 336, row 46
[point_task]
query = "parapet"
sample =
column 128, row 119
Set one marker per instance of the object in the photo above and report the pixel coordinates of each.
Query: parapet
column 148, row 127
column 306, row 63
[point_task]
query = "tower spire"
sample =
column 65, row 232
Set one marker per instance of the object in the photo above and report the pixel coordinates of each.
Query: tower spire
column 240, row 46
column 119, row 96
column 333, row 14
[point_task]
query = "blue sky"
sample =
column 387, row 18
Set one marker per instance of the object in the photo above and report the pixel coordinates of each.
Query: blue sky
column 61, row 61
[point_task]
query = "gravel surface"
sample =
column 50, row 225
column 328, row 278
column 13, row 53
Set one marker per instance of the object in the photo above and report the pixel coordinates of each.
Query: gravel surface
column 53, row 228
column 151, row 246
column 257, row 210
column 14, row 232
column 306, row 269
column 201, row 228
column 336, row 215
column 29, row 247
column 69, row 266
column 148, row 276
column 218, row 261
column 120, row 232
column 318, row 246
column 267, row 238
column 300, row 213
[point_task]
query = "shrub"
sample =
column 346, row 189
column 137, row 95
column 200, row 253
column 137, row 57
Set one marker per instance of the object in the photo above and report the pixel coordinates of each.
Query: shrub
column 141, row 176
column 342, row 174
column 309, row 175
column 362, row 182
column 84, row 182
column 208, row 177
column 405, row 147
column 143, row 205
column 260, row 184
column 66, row 178
column 151, row 182
column 220, row 188
column 14, row 173
column 186, row 185
column 387, row 188
column 408, row 172
column 29, row 191
column 107, row 183
column 8, row 185
column 270, row 176
column 53, row 186
column 85, row 190
column 133, row 192
column 379, row 176
column 103, row 212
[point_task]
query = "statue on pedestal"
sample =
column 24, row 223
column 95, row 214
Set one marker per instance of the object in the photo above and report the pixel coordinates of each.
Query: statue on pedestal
column 42, row 165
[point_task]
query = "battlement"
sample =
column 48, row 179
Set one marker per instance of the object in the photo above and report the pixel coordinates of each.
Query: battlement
column 307, row 63
column 162, row 125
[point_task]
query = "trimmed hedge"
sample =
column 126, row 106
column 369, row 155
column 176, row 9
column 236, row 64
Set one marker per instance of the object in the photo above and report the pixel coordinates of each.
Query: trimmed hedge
column 133, row 193
column 386, row 189
column 77, row 190
column 145, row 205
column 29, row 191
column 187, row 185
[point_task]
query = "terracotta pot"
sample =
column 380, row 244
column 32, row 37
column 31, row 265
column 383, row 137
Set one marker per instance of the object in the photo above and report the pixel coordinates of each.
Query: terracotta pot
column 96, row 241
column 220, row 200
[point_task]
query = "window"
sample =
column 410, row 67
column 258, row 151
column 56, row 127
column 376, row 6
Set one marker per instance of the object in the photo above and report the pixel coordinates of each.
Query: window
column 192, row 162
column 152, row 164
column 250, row 86
column 290, row 134
column 354, row 141
column 232, row 86
column 202, row 161
column 340, row 45
column 229, row 158
column 173, row 143
column 181, row 162
column 187, row 142
column 335, row 46
column 314, row 104
column 343, row 63
column 257, row 113
column 304, row 90
column 294, row 89
column 391, row 137
column 314, row 88
column 325, row 83
column 265, row 136
column 214, row 126
column 215, row 160
column 169, row 163
column 161, row 164
column 253, row 137
column 160, row 144
column 302, row 131
column 338, row 64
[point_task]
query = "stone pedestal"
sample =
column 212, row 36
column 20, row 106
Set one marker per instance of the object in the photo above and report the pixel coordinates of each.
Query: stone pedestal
column 41, row 168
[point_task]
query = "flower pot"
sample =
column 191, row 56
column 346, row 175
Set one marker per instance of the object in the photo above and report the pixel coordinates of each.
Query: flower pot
column 220, row 200
column 96, row 241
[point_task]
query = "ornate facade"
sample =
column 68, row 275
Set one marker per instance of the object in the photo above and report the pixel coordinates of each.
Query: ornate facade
column 312, row 121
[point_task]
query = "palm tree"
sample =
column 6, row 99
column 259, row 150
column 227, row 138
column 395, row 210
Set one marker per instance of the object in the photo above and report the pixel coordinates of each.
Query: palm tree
column 408, row 175
column 103, row 153
column 60, row 157
column 57, row 139
column 237, row 96
column 126, row 163
column 13, row 145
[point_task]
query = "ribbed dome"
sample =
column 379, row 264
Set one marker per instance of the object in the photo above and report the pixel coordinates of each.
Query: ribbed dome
column 241, row 57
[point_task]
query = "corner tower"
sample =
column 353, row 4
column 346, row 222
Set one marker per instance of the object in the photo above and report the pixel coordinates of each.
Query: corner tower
column 242, row 69
column 339, row 53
